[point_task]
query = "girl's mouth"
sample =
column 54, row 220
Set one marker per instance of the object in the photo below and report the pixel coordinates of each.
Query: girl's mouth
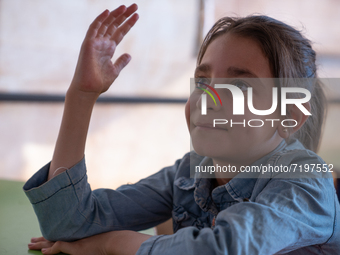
column 208, row 126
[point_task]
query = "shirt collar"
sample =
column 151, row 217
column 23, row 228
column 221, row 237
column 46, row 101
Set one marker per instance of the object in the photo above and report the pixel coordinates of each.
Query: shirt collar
column 240, row 187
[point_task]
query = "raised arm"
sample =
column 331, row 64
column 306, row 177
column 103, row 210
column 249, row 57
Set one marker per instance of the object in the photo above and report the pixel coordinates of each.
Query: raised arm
column 94, row 74
column 66, row 206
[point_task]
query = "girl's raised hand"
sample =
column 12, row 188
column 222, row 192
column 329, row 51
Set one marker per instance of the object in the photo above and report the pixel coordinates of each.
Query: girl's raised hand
column 95, row 71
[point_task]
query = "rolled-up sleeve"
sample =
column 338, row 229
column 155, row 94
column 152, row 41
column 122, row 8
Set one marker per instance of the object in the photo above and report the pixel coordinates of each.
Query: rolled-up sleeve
column 285, row 216
column 67, row 208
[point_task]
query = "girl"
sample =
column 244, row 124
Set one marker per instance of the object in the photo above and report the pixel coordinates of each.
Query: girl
column 233, row 213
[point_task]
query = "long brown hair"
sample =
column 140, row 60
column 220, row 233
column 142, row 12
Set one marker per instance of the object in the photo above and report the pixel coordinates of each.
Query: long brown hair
column 290, row 55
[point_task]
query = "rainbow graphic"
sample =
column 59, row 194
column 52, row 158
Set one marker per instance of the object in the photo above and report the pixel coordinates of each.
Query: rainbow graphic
column 213, row 90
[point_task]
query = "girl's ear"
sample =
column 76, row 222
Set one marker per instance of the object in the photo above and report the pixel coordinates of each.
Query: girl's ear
column 296, row 114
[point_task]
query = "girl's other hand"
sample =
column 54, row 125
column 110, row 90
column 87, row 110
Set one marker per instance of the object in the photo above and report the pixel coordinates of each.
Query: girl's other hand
column 123, row 242
column 38, row 243
column 95, row 71
column 87, row 246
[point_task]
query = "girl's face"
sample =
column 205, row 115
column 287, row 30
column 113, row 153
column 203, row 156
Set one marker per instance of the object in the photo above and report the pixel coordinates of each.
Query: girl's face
column 231, row 59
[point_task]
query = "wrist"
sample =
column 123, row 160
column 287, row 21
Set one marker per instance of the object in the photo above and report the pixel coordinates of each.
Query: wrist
column 124, row 242
column 86, row 97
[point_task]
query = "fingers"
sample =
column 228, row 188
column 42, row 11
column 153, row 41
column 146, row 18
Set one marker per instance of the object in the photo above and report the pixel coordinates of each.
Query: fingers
column 95, row 25
column 39, row 243
column 112, row 17
column 37, row 239
column 109, row 24
column 120, row 19
column 59, row 246
column 120, row 63
column 122, row 31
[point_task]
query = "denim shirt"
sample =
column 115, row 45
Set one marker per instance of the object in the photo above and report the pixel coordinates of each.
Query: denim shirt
column 274, row 213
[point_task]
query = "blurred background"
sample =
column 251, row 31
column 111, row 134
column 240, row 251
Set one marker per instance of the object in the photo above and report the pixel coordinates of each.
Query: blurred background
column 39, row 46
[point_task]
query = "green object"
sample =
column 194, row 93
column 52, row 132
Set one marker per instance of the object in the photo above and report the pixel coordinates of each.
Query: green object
column 18, row 223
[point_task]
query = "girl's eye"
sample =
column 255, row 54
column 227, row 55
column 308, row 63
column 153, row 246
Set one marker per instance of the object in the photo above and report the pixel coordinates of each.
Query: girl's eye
column 200, row 82
column 240, row 84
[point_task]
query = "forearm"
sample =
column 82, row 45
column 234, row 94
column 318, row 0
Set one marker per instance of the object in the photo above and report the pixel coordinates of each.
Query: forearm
column 71, row 140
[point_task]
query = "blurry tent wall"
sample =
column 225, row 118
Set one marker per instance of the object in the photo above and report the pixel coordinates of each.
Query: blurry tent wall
column 39, row 45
